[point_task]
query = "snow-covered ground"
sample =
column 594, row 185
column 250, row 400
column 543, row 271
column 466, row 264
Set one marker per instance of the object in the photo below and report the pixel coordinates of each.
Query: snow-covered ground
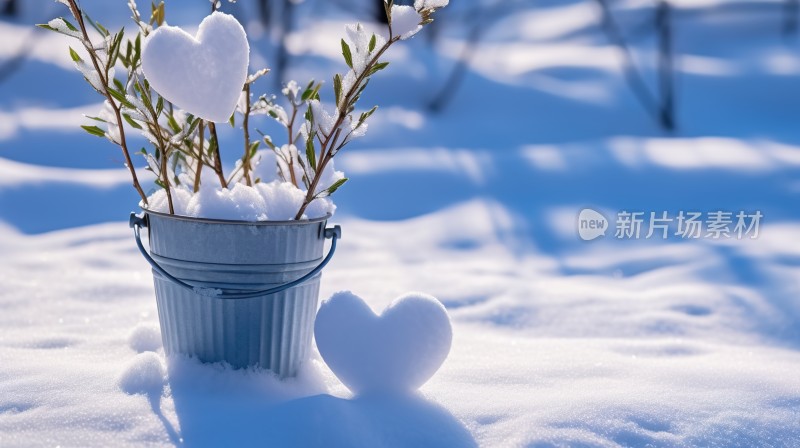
column 557, row 341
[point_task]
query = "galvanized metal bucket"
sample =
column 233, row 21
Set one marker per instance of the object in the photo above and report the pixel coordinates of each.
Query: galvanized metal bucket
column 244, row 293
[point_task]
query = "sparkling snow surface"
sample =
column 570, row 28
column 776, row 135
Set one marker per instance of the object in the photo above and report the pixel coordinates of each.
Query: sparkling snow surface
column 556, row 342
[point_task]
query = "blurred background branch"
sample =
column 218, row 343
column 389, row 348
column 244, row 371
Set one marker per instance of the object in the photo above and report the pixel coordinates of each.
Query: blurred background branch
column 8, row 8
column 472, row 21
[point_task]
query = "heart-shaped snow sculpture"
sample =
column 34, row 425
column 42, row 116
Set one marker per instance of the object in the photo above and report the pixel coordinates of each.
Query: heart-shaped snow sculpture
column 202, row 75
column 394, row 352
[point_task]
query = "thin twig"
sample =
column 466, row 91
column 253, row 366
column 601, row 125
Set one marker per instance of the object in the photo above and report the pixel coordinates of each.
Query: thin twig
column 246, row 126
column 197, row 174
column 167, row 184
column 790, row 11
column 163, row 146
column 217, row 160
column 635, row 79
column 457, row 74
column 282, row 59
column 290, row 130
column 76, row 12
column 16, row 62
column 328, row 151
column 212, row 127
column 666, row 69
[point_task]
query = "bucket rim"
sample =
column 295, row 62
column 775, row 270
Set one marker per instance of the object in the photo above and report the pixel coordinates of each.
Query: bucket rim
column 300, row 222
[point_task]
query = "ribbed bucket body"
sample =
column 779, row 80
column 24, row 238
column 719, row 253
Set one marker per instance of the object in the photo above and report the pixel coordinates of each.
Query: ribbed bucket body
column 272, row 331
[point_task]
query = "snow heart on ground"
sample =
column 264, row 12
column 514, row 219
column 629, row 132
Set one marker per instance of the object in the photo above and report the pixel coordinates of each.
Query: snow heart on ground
column 397, row 351
column 202, row 75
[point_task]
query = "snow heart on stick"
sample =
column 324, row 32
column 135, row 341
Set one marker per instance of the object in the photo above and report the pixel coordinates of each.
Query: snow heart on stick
column 175, row 86
column 203, row 75
column 397, row 351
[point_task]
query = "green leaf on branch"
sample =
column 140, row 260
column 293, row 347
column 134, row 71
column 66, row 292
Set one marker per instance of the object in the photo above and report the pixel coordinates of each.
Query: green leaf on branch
column 367, row 114
column 118, row 84
column 69, row 25
column 212, row 146
column 144, row 92
column 311, row 154
column 99, row 28
column 131, row 122
column 268, row 142
column 74, row 55
column 254, row 148
column 372, row 43
column 311, row 91
column 377, row 67
column 94, row 130
column 193, row 123
column 137, row 50
column 114, row 49
column 128, row 54
column 315, row 92
column 336, row 186
column 173, row 124
column 119, row 96
column 348, row 56
column 337, row 87
column 307, row 92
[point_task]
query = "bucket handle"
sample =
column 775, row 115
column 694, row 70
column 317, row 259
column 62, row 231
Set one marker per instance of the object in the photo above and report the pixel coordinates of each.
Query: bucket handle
column 137, row 222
